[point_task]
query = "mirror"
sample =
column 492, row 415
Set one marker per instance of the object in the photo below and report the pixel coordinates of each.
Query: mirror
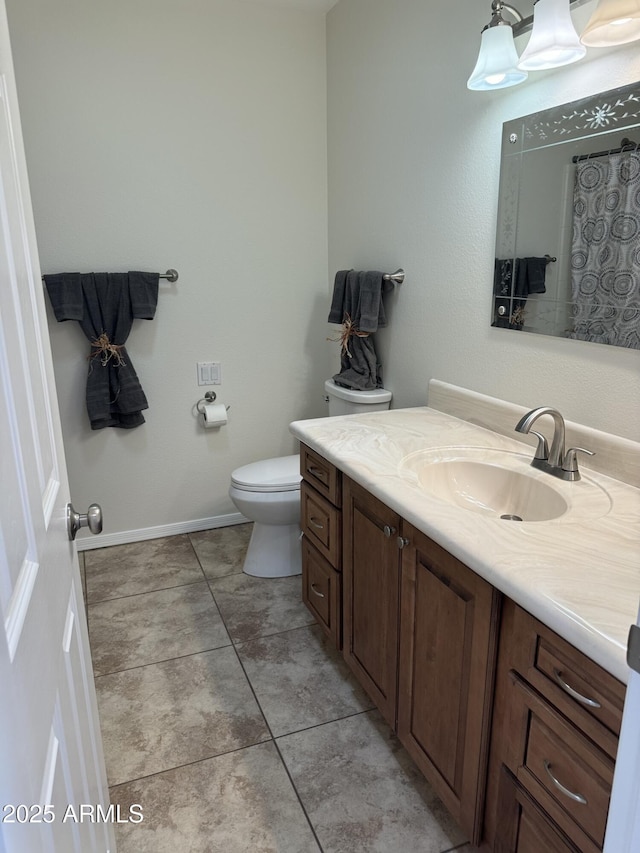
column 568, row 232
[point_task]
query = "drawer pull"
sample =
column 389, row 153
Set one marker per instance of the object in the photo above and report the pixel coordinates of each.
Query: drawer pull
column 577, row 798
column 590, row 703
column 313, row 589
column 316, row 524
column 317, row 472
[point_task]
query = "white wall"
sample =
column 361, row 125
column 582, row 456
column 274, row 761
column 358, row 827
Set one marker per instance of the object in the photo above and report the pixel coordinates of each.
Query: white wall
column 192, row 135
column 413, row 182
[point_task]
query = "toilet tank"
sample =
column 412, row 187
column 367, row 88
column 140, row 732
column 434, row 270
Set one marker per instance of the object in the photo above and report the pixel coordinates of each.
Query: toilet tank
column 346, row 401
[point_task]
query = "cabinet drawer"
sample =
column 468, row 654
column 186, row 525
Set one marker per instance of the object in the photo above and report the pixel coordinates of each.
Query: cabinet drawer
column 576, row 778
column 565, row 772
column 321, row 523
column 583, row 691
column 524, row 827
column 322, row 475
column 322, row 592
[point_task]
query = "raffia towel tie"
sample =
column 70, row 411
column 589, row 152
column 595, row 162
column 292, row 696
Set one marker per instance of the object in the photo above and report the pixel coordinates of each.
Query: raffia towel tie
column 348, row 330
column 105, row 350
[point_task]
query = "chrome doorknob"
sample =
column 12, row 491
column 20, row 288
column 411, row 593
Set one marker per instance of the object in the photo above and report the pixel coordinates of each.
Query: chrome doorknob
column 92, row 520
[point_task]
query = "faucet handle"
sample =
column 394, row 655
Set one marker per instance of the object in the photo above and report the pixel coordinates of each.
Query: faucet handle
column 570, row 462
column 542, row 450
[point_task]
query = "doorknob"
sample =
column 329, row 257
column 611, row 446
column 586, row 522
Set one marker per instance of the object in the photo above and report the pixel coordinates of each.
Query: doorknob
column 92, row 520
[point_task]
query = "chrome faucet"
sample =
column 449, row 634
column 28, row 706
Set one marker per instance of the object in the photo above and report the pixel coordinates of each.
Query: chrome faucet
column 555, row 461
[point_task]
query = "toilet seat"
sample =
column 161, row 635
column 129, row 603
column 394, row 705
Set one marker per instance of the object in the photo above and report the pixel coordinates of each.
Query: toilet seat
column 281, row 474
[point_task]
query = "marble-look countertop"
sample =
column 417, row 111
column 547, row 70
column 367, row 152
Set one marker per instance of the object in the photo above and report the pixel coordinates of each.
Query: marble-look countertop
column 580, row 574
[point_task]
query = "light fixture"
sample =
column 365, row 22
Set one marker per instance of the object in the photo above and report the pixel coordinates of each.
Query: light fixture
column 496, row 67
column 613, row 22
column 554, row 40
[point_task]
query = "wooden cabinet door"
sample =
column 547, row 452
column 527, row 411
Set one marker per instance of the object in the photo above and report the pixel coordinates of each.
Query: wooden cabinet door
column 448, row 642
column 371, row 583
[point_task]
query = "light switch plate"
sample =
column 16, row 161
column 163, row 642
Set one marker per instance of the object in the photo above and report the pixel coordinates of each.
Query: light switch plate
column 209, row 372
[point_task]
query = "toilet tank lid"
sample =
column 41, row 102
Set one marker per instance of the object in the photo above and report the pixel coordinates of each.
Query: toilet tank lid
column 377, row 395
column 273, row 475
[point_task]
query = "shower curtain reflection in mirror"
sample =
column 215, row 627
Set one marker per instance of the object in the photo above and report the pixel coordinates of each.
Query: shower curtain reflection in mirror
column 605, row 252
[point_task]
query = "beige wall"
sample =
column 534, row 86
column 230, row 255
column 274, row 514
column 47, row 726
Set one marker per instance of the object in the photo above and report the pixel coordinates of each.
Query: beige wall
column 189, row 135
column 413, row 182
column 193, row 135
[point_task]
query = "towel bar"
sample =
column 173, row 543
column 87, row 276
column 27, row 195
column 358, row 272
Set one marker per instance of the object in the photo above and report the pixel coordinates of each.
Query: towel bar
column 170, row 275
column 396, row 277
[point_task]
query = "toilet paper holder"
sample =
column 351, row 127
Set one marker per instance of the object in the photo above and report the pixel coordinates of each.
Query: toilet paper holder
column 209, row 397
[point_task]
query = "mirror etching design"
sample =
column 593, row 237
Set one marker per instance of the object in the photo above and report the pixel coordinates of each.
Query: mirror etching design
column 568, row 234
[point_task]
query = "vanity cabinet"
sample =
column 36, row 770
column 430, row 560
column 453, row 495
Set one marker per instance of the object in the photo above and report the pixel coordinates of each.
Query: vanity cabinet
column 321, row 523
column 557, row 717
column 371, row 573
column 515, row 729
column 448, row 645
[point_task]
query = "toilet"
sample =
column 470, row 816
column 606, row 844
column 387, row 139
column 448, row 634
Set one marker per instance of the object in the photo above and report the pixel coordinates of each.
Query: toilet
column 268, row 493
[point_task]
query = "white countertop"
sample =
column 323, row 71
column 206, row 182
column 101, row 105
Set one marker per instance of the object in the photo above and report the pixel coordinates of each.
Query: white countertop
column 581, row 577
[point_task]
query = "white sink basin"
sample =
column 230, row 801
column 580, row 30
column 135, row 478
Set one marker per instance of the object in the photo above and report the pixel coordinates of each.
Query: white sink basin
column 502, row 484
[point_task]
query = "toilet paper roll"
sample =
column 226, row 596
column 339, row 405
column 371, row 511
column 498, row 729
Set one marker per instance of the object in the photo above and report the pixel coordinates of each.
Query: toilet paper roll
column 214, row 415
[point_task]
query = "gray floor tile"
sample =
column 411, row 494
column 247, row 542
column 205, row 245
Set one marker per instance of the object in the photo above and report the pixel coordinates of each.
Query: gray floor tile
column 300, row 680
column 222, row 551
column 83, row 577
column 154, row 626
column 234, row 803
column 362, row 792
column 164, row 715
column 140, row 567
column 255, row 607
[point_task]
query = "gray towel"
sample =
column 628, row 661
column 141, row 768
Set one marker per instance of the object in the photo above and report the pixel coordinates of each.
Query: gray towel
column 106, row 304
column 360, row 369
column 358, row 294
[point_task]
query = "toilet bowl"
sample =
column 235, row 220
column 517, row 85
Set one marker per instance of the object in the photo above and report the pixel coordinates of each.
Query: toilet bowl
column 268, row 493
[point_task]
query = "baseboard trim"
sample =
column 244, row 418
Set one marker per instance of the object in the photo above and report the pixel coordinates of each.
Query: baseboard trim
column 126, row 536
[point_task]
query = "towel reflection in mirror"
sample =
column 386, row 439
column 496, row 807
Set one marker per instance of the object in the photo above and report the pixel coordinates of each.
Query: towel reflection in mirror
column 514, row 281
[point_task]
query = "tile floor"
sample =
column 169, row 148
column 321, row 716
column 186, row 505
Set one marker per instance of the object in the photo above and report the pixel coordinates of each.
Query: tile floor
column 229, row 719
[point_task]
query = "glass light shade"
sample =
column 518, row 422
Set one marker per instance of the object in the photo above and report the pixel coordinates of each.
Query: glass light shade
column 496, row 67
column 613, row 22
column 554, row 40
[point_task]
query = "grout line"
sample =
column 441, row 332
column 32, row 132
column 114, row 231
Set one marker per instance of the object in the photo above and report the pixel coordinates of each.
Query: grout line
column 163, row 660
column 146, row 591
column 327, row 723
column 275, row 744
column 189, row 763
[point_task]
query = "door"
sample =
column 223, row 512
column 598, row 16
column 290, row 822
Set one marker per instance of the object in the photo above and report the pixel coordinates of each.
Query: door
column 448, row 643
column 371, row 584
column 51, row 760
column 623, row 826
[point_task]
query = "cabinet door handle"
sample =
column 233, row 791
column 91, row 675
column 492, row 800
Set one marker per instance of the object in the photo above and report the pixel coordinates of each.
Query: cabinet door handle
column 313, row 589
column 577, row 798
column 316, row 524
column 590, row 703
column 388, row 531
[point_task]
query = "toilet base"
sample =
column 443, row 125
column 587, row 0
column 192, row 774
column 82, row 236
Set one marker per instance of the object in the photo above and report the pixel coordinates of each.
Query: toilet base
column 274, row 551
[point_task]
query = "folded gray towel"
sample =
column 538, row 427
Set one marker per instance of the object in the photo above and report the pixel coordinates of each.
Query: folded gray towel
column 358, row 294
